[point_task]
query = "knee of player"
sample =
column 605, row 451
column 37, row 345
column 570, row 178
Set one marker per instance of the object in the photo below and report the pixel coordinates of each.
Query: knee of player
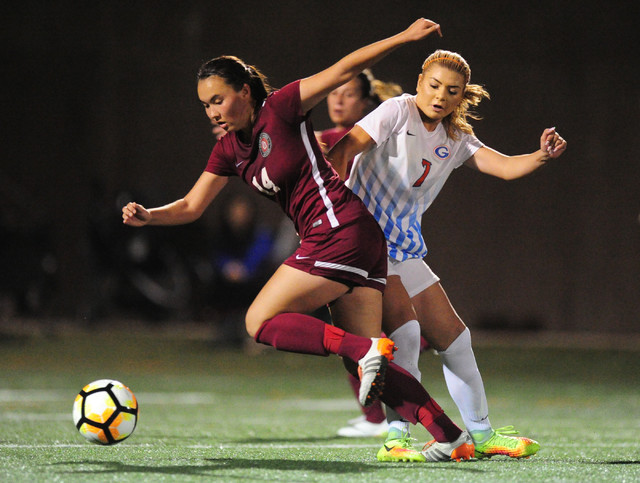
column 253, row 320
column 458, row 340
column 446, row 333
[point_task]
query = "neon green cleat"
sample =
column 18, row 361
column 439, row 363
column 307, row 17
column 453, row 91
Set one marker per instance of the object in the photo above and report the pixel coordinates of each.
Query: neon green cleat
column 400, row 449
column 501, row 442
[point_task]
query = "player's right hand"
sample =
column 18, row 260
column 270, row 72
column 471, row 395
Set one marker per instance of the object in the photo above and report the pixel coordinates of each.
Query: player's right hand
column 134, row 214
column 551, row 143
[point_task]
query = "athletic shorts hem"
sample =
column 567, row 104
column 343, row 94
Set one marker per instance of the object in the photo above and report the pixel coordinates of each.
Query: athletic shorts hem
column 349, row 276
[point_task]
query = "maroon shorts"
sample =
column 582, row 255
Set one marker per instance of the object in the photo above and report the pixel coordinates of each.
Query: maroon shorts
column 354, row 254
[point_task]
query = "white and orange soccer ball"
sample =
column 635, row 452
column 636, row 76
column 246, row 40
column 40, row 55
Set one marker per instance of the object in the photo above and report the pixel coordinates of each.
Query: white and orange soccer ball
column 105, row 412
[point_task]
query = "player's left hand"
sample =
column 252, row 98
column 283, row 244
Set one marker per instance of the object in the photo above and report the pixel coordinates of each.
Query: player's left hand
column 552, row 143
column 421, row 28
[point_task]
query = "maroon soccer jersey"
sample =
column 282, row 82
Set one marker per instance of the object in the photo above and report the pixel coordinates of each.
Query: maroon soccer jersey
column 339, row 237
column 284, row 163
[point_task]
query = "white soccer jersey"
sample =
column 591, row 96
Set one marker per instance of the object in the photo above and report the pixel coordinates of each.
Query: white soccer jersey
column 400, row 177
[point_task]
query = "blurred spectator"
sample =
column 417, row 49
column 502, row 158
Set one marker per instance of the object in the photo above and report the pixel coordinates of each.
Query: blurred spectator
column 241, row 259
column 28, row 259
column 350, row 102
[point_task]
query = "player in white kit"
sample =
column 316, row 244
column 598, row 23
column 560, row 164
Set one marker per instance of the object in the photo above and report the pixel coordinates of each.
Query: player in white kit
column 405, row 150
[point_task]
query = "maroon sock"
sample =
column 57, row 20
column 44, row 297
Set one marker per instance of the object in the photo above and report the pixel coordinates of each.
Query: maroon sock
column 345, row 344
column 374, row 413
column 294, row 333
column 442, row 428
column 410, row 399
column 305, row 334
column 332, row 338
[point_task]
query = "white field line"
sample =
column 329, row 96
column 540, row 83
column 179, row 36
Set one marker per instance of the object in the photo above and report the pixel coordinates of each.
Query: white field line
column 232, row 446
column 31, row 396
column 169, row 398
column 18, row 416
column 162, row 398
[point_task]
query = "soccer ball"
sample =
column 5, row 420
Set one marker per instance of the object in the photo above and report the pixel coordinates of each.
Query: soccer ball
column 105, row 412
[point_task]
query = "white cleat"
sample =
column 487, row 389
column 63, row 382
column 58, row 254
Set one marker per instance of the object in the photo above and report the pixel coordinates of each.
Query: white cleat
column 372, row 368
column 460, row 449
column 361, row 428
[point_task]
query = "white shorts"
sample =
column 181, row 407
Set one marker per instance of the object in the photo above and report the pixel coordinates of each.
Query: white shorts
column 415, row 274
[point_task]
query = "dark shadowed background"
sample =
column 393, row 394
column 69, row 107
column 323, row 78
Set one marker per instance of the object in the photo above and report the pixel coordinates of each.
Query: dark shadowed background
column 99, row 99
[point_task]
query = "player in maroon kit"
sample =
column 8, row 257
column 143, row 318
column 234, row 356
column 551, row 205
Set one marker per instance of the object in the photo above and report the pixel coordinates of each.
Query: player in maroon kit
column 341, row 260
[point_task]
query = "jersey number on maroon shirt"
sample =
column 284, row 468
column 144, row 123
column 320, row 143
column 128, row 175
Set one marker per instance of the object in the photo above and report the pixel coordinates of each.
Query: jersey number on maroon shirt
column 265, row 185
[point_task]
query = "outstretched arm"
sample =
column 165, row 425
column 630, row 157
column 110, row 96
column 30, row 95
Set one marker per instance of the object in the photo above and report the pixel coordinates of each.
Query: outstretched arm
column 315, row 88
column 180, row 212
column 353, row 143
column 490, row 161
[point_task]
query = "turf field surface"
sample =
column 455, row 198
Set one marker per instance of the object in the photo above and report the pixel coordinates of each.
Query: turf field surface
column 210, row 413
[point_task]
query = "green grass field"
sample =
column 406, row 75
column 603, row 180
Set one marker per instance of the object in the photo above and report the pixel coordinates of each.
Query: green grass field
column 211, row 414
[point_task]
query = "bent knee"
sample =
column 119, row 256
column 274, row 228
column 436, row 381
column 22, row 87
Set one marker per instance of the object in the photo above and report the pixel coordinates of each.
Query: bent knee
column 253, row 320
column 441, row 340
column 451, row 336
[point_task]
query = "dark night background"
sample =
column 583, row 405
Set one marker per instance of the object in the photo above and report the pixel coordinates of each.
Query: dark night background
column 99, row 98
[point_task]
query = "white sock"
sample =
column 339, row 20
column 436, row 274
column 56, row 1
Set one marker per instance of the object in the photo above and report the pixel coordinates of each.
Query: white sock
column 398, row 429
column 465, row 383
column 407, row 340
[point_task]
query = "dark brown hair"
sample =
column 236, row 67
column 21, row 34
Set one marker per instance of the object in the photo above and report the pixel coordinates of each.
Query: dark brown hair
column 236, row 73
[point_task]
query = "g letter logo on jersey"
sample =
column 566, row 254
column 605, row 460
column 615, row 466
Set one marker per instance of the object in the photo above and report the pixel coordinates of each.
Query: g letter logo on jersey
column 264, row 144
column 442, row 151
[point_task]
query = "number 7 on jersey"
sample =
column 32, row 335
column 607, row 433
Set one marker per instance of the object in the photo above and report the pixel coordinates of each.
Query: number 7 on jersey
column 427, row 168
